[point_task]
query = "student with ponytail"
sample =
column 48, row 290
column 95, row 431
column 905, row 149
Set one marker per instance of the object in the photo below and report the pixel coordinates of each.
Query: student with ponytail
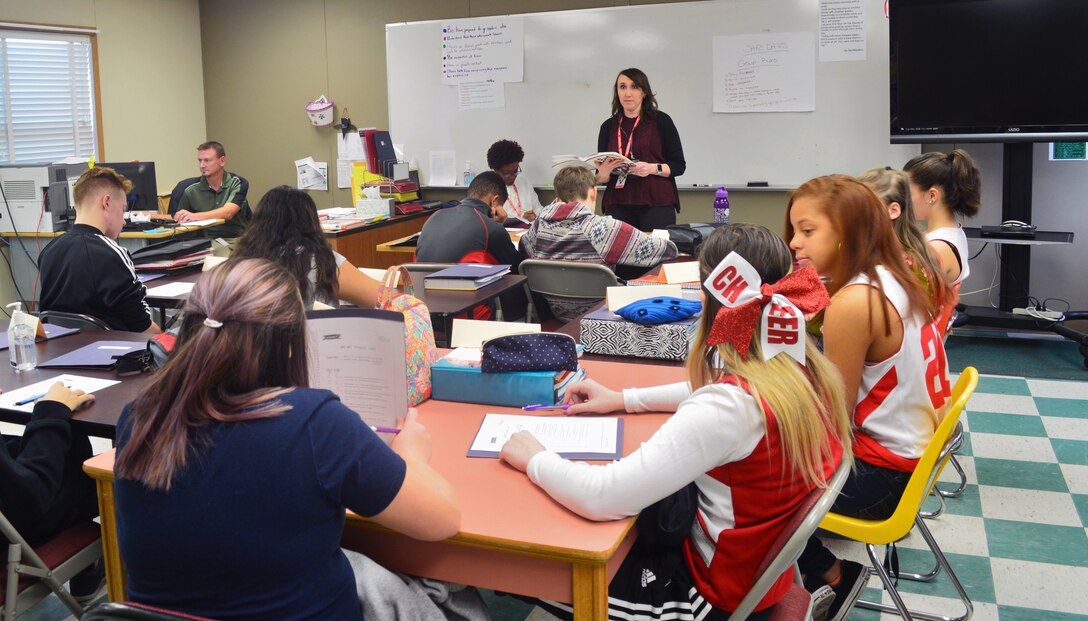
column 892, row 187
column 233, row 474
column 757, row 426
column 879, row 333
column 945, row 188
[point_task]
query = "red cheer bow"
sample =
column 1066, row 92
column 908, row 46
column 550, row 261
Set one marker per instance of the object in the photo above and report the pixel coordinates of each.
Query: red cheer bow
column 735, row 325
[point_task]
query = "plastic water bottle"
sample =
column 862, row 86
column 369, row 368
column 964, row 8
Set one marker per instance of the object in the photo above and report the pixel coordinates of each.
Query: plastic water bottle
column 468, row 175
column 21, row 337
column 721, row 206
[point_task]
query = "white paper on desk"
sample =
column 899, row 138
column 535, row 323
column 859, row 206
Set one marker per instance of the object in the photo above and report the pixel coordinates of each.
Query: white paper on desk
column 171, row 290
column 443, row 168
column 842, row 30
column 75, row 382
column 359, row 355
column 618, row 297
column 481, row 95
column 212, row 261
column 312, row 175
column 677, row 273
column 350, row 146
column 208, row 222
column 571, row 437
column 472, row 333
column 379, row 275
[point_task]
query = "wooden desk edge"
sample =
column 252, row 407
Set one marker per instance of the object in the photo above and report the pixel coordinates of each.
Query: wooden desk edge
column 517, row 547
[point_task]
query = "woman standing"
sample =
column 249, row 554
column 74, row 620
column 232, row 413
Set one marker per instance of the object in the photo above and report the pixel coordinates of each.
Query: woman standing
column 643, row 195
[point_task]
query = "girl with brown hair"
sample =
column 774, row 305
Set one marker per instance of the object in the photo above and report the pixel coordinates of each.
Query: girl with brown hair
column 879, row 333
column 944, row 188
column 233, row 475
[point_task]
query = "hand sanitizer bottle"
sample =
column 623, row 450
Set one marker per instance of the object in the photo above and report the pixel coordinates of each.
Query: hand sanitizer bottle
column 21, row 337
column 468, row 175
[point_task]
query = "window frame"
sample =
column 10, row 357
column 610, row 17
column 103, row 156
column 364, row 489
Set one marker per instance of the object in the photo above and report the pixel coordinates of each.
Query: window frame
column 96, row 94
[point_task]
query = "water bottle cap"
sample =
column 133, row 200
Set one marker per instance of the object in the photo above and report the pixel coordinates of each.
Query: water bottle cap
column 722, row 192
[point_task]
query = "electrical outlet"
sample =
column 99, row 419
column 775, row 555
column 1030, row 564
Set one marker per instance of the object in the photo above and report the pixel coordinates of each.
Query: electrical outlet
column 1045, row 314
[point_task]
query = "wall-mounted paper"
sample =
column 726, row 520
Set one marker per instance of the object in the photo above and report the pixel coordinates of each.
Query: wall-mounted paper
column 479, row 95
column 443, row 168
column 312, row 175
column 483, row 48
column 770, row 72
column 842, row 30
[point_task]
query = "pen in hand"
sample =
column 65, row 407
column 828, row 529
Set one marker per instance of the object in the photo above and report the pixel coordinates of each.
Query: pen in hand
column 544, row 406
column 30, row 399
column 384, row 429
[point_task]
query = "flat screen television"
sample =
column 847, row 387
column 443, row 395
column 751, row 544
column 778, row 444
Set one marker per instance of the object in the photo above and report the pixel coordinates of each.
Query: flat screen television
column 145, row 193
column 988, row 70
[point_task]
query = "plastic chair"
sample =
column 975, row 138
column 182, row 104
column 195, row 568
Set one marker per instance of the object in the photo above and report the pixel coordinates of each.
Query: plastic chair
column 881, row 532
column 129, row 611
column 73, row 320
column 32, row 573
column 571, row 280
column 797, row 602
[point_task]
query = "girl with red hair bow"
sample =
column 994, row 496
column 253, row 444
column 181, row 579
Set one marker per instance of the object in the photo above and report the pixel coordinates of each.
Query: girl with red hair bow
column 761, row 422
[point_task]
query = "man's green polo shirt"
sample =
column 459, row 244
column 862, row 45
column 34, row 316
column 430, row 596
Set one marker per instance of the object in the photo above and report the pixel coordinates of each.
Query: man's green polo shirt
column 200, row 197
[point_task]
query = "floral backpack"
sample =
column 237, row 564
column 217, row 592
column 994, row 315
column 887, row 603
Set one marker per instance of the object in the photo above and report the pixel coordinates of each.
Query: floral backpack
column 419, row 348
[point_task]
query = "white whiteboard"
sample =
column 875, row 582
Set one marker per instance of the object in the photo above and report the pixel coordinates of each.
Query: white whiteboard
column 571, row 61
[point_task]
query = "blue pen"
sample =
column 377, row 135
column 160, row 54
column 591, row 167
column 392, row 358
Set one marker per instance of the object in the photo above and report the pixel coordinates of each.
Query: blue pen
column 30, row 399
column 544, row 406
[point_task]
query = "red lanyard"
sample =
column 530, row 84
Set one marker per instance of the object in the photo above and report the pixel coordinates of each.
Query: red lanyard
column 510, row 199
column 630, row 141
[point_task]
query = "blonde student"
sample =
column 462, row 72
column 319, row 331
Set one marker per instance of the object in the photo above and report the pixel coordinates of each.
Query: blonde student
column 756, row 427
column 233, row 474
column 892, row 187
column 945, row 188
column 880, row 335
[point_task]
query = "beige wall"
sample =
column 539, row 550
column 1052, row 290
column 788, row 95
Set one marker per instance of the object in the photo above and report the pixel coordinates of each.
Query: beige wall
column 264, row 59
column 151, row 79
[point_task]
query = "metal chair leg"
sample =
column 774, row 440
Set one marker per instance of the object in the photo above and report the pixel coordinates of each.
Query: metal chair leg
column 955, row 493
column 889, row 585
column 935, row 493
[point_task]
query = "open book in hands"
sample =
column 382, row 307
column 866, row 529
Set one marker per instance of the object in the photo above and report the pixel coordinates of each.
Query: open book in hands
column 562, row 161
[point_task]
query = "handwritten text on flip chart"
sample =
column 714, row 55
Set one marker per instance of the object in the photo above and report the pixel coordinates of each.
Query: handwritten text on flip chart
column 771, row 72
column 474, row 50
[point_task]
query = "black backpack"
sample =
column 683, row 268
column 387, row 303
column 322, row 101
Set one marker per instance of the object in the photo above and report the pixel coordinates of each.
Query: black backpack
column 688, row 237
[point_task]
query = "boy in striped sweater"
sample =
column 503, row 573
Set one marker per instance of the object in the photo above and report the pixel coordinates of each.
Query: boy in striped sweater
column 568, row 230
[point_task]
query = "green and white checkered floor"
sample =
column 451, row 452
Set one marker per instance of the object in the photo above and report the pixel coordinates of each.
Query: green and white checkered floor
column 1017, row 537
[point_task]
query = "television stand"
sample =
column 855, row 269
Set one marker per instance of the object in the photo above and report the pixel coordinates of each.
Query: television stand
column 1014, row 268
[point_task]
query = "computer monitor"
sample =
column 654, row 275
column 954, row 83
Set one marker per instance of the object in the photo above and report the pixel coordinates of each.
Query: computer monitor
column 145, row 193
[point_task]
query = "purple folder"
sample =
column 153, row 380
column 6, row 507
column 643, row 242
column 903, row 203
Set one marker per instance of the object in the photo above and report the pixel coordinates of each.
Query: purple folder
column 52, row 331
column 99, row 354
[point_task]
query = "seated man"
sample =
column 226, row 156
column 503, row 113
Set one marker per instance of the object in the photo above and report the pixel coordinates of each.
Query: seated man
column 470, row 233
column 85, row 270
column 467, row 232
column 567, row 229
column 219, row 194
column 42, row 486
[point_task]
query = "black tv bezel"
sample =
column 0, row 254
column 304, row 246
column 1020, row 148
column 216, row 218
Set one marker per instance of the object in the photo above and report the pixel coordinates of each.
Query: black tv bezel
column 970, row 134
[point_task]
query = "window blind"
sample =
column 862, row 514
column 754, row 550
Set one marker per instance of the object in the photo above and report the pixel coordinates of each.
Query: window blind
column 47, row 103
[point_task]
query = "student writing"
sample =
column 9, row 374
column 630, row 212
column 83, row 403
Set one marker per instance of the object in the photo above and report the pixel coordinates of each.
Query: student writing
column 754, row 430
